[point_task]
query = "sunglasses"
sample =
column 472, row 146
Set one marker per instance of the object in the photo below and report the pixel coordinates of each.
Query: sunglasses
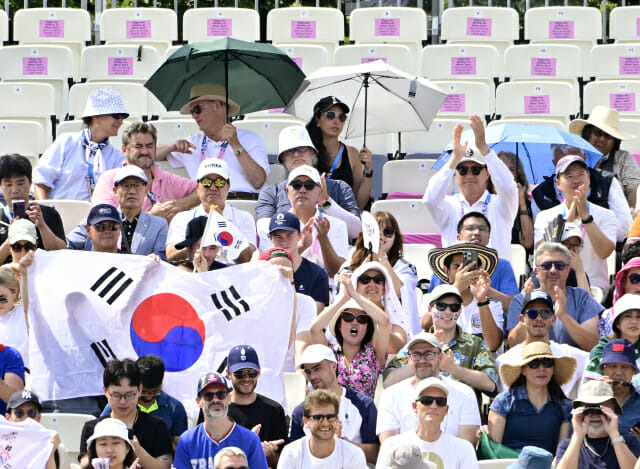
column 31, row 413
column 349, row 317
column 440, row 306
column 119, row 116
column 320, row 417
column 3, row 300
column 108, row 226
column 251, row 373
column 218, row 182
column 388, row 232
column 26, row 247
column 475, row 170
column 308, row 185
column 366, row 279
column 293, row 151
column 535, row 364
column 428, row 400
column 197, row 109
column 332, row 115
column 220, row 395
column 544, row 313
column 634, row 278
column 559, row 265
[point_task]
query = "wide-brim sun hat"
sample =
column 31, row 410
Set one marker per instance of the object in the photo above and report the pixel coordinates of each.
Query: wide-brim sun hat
column 110, row 427
column 563, row 367
column 209, row 92
column 604, row 118
column 487, row 257
column 351, row 304
column 101, row 102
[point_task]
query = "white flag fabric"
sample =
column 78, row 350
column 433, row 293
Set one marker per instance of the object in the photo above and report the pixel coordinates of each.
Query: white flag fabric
column 24, row 445
column 87, row 308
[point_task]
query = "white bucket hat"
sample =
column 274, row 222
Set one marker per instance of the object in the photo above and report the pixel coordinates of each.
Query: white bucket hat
column 604, row 118
column 101, row 102
column 292, row 137
column 110, row 427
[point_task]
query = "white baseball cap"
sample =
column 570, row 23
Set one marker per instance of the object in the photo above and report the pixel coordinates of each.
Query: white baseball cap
column 22, row 230
column 571, row 230
column 315, row 354
column 427, row 383
column 294, row 136
column 129, row 170
column 213, row 166
column 305, row 170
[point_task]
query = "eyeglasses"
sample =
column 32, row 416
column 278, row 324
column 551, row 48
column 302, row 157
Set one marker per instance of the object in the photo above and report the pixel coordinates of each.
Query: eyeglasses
column 475, row 170
column 107, row 226
column 134, row 185
column 26, row 247
column 119, row 116
column 31, row 413
column 320, row 417
column 546, row 362
column 332, row 115
column 251, row 373
column 428, row 355
column 197, row 109
column 349, row 317
column 634, row 278
column 293, row 151
column 308, row 185
column 428, row 400
column 220, row 395
column 388, row 232
column 559, row 265
column 472, row 228
column 440, row 306
column 544, row 313
column 150, row 394
column 218, row 182
column 366, row 279
column 127, row 396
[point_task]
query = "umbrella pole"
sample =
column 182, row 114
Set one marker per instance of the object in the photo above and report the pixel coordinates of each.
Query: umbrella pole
column 225, row 142
column 366, row 88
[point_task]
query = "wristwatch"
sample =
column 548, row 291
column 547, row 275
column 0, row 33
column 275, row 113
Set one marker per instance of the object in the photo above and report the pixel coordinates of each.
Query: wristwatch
column 238, row 151
column 367, row 174
column 587, row 220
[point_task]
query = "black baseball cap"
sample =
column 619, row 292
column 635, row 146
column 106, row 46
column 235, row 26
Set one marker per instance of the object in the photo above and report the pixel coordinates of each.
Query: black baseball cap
column 22, row 397
column 195, row 230
column 327, row 102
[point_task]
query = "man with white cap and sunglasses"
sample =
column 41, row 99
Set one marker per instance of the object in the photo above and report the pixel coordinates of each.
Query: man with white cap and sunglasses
column 213, row 185
column 430, row 404
column 72, row 165
column 242, row 150
column 295, row 149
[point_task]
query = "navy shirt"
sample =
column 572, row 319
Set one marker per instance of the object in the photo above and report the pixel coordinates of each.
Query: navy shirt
column 588, row 460
column 630, row 413
column 526, row 426
column 312, row 280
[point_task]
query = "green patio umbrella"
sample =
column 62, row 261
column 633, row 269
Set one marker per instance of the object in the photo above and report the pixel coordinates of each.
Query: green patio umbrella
column 257, row 76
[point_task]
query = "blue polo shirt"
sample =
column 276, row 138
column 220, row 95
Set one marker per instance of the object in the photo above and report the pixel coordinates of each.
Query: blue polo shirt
column 503, row 279
column 169, row 409
column 525, row 425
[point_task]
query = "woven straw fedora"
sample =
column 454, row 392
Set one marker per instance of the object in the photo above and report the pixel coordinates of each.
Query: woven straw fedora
column 563, row 367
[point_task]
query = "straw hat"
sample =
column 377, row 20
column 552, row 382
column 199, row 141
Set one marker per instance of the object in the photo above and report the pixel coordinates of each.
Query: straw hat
column 487, row 257
column 351, row 304
column 209, row 92
column 563, row 367
column 604, row 118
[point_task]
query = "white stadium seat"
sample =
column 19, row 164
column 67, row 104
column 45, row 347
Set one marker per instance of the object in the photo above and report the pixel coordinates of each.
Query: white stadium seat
column 623, row 95
column 24, row 137
column 207, row 24
column 465, row 98
column 72, row 212
column 432, row 141
column 409, row 176
column 248, row 206
column 70, row 27
column 268, row 129
column 29, row 101
column 69, row 427
column 120, row 63
column 4, row 27
column 543, row 62
column 309, row 57
column 616, row 61
column 170, row 130
column 396, row 55
column 412, row 215
column 631, row 126
column 623, row 24
column 461, row 62
column 295, row 390
column 417, row 254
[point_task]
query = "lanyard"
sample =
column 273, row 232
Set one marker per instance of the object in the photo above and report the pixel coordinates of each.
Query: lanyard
column 152, row 197
column 203, row 148
column 7, row 213
column 91, row 182
column 335, row 161
column 485, row 204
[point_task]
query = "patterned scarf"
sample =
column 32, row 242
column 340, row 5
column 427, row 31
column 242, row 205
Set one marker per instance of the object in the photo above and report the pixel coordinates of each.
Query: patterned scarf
column 93, row 146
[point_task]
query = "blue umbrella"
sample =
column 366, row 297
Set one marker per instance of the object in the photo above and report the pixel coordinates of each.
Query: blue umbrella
column 531, row 143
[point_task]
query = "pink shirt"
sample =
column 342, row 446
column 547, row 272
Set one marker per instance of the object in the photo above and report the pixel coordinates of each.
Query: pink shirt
column 165, row 186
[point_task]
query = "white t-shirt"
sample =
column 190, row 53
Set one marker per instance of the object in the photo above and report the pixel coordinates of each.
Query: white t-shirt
column 14, row 331
column 305, row 314
column 296, row 455
column 447, row 452
column 469, row 319
column 239, row 218
column 594, row 266
column 395, row 411
column 250, row 141
column 514, row 354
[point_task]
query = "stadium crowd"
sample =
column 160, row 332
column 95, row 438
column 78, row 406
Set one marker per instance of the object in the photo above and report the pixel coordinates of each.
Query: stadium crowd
column 479, row 367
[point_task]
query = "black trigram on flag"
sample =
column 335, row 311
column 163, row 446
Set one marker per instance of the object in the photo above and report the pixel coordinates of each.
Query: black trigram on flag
column 113, row 282
column 222, row 224
column 103, row 351
column 229, row 301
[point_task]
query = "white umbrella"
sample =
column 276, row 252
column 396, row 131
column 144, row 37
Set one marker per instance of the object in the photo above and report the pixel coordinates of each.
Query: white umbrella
column 382, row 98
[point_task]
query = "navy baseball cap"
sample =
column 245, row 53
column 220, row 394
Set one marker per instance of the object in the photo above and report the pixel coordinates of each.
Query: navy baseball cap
column 536, row 295
column 103, row 212
column 242, row 356
column 210, row 378
column 284, row 221
column 619, row 351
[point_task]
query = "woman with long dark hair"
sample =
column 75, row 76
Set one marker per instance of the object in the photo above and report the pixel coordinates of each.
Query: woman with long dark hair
column 335, row 159
column 522, row 231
